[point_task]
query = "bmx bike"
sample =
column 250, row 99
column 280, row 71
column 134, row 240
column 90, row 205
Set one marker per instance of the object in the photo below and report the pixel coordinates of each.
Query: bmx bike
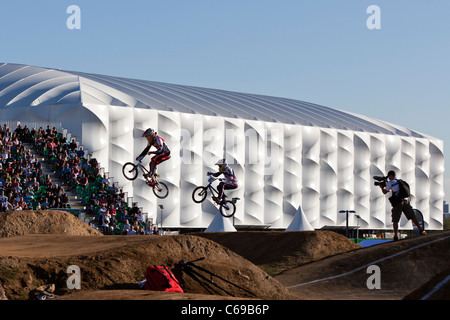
column 131, row 170
column 227, row 208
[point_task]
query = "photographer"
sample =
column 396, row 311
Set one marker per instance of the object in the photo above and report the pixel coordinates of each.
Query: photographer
column 399, row 204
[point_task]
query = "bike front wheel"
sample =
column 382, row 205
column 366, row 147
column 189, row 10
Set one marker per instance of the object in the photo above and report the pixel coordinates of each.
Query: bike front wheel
column 228, row 209
column 130, row 171
column 199, row 194
column 161, row 190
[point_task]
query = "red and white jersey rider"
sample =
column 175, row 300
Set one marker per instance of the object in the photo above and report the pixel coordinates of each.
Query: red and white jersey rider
column 162, row 152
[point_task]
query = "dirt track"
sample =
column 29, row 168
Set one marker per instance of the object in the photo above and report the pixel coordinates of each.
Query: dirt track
column 405, row 266
column 113, row 265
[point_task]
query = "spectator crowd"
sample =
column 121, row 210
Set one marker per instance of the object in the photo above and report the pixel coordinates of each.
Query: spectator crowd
column 25, row 186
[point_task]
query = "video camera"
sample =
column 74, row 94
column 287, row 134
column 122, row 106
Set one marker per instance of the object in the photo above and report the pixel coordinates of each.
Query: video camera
column 381, row 181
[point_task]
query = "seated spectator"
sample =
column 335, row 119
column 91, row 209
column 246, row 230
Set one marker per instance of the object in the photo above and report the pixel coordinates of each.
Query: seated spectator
column 80, row 153
column 2, row 195
column 134, row 209
column 22, row 204
column 133, row 218
column 65, row 172
column 103, row 210
column 82, row 180
column 73, row 146
column 132, row 231
column 105, row 180
column 103, row 200
column 112, row 211
column 106, row 220
column 125, row 215
column 64, row 197
column 47, row 181
column 45, row 204
column 140, row 217
column 91, row 224
column 127, row 225
column 156, row 231
column 141, row 230
column 149, row 228
column 6, row 205
column 102, row 189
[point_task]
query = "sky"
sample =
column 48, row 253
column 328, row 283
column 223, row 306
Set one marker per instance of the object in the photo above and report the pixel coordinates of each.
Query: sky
column 319, row 51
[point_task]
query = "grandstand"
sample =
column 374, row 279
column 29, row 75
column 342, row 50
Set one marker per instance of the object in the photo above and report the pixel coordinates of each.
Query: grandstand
column 42, row 155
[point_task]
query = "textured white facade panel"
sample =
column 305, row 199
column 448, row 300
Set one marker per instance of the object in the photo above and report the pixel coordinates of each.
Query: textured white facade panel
column 311, row 175
column 345, row 169
column 436, row 184
column 378, row 200
column 422, row 173
column 292, row 199
column 363, row 179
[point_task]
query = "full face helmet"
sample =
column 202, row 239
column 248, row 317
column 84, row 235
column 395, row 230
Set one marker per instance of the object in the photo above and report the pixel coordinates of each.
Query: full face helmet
column 149, row 134
column 222, row 163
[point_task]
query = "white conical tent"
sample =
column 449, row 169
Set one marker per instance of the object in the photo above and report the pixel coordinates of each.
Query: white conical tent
column 221, row 224
column 300, row 222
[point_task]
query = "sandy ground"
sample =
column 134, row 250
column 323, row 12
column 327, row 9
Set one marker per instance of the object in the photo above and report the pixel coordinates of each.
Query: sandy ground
column 271, row 265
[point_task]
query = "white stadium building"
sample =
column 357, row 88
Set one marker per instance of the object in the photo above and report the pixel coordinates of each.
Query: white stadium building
column 287, row 154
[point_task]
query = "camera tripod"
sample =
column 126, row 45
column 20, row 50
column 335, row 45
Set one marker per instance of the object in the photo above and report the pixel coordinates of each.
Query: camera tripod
column 193, row 270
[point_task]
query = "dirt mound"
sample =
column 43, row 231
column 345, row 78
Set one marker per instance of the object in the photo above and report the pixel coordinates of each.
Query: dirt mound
column 119, row 262
column 275, row 251
column 15, row 223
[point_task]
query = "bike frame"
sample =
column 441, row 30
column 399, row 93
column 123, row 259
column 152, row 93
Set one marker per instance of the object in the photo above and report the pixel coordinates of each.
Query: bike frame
column 214, row 191
column 143, row 168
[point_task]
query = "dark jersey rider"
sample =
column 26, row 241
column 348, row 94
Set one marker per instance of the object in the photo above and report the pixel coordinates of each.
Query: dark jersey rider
column 229, row 182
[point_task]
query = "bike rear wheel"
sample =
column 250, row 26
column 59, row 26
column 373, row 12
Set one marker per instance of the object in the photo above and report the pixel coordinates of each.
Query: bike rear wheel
column 161, row 190
column 199, row 194
column 228, row 209
column 130, row 171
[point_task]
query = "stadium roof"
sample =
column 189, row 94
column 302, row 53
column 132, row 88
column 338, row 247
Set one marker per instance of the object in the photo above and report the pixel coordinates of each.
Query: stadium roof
column 23, row 85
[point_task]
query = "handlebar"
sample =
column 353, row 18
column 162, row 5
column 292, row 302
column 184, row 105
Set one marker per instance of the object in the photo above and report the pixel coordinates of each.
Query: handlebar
column 212, row 178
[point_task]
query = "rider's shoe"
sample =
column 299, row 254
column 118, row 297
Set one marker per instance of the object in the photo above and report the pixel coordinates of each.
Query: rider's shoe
column 223, row 203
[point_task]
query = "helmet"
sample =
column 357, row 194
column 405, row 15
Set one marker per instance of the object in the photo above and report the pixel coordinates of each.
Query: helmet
column 222, row 162
column 149, row 133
